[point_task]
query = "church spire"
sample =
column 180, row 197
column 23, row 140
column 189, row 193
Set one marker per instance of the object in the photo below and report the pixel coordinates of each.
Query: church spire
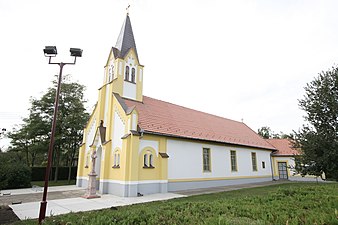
column 123, row 71
column 126, row 39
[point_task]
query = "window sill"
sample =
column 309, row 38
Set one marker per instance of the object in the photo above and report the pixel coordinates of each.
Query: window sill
column 115, row 167
column 130, row 82
column 148, row 167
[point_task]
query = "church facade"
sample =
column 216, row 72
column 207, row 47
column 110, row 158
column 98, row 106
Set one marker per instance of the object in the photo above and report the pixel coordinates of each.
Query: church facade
column 144, row 145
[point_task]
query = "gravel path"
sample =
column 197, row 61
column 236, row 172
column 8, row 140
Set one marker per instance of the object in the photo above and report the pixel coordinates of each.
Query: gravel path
column 37, row 197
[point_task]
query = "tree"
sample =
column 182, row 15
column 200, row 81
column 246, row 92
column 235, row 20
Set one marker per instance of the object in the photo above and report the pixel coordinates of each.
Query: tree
column 265, row 132
column 31, row 138
column 318, row 138
column 34, row 135
column 2, row 135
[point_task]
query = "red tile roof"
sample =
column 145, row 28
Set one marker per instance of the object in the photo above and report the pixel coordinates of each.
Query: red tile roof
column 164, row 118
column 283, row 146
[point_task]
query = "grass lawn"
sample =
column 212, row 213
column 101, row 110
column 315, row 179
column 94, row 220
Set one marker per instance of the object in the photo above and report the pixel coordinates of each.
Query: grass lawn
column 53, row 183
column 290, row 203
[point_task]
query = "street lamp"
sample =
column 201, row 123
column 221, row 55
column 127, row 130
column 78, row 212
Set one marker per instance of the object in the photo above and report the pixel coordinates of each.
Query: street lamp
column 50, row 51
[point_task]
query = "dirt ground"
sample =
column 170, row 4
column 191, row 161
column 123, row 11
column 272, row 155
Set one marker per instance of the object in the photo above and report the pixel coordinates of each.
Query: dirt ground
column 7, row 216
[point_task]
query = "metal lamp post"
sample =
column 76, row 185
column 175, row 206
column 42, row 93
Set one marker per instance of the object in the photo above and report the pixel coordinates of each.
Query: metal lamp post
column 50, row 51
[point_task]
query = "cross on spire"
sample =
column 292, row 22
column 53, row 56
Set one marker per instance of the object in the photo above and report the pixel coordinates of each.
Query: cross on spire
column 127, row 9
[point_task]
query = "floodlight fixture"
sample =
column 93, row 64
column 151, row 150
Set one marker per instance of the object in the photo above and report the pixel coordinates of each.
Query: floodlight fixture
column 77, row 52
column 50, row 51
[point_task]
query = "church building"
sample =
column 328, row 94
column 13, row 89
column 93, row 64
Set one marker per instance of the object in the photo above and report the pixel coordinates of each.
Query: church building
column 144, row 145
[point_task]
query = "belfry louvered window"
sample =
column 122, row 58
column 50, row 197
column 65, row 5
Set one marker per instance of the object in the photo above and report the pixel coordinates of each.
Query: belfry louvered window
column 133, row 75
column 126, row 77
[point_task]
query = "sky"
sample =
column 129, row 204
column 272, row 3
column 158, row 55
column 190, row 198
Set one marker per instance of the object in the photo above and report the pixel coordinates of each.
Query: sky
column 243, row 60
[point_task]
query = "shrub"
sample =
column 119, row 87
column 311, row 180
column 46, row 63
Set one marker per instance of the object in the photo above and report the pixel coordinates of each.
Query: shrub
column 38, row 173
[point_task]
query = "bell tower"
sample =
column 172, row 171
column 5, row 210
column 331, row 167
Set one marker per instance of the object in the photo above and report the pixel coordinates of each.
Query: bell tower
column 123, row 70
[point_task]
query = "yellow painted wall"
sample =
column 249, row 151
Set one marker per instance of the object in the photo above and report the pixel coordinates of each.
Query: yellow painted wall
column 160, row 172
column 149, row 173
column 117, row 86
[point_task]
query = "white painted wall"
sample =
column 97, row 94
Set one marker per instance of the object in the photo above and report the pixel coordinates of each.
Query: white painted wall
column 118, row 131
column 148, row 143
column 90, row 134
column 134, row 122
column 106, row 106
column 120, row 68
column 114, row 74
column 185, row 161
column 128, row 127
column 98, row 160
column 141, row 75
column 104, row 75
column 129, row 90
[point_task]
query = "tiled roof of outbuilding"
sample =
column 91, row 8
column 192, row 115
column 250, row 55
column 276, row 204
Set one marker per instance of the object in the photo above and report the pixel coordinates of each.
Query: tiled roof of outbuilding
column 163, row 118
column 283, row 146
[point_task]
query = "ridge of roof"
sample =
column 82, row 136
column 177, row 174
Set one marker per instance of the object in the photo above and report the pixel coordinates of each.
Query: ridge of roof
column 199, row 111
column 125, row 40
column 161, row 117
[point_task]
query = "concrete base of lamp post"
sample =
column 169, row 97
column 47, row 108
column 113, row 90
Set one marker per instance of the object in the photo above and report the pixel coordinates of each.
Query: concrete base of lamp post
column 91, row 190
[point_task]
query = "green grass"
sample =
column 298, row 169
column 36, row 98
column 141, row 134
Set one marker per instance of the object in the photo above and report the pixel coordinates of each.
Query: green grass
column 53, row 183
column 290, row 203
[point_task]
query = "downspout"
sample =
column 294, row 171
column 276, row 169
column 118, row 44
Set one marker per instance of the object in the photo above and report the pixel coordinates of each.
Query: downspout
column 271, row 167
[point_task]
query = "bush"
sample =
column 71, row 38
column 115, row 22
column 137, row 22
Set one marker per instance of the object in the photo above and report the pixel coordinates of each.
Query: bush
column 14, row 176
column 38, row 173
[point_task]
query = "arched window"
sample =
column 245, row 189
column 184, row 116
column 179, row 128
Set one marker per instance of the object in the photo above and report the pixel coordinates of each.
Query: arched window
column 145, row 160
column 116, row 160
column 133, row 75
column 126, row 77
column 151, row 160
column 111, row 73
column 148, row 160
